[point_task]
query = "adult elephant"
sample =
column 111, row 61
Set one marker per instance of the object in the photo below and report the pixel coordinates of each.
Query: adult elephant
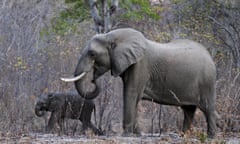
column 180, row 73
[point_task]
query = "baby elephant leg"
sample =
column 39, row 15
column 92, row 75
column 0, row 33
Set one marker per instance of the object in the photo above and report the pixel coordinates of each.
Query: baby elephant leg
column 84, row 128
column 86, row 125
column 96, row 130
column 188, row 116
column 62, row 127
column 51, row 122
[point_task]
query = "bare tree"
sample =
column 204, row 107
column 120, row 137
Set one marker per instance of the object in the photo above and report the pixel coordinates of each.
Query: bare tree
column 227, row 29
column 102, row 17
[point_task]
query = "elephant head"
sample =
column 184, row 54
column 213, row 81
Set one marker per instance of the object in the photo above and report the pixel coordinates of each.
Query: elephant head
column 38, row 111
column 42, row 105
column 114, row 51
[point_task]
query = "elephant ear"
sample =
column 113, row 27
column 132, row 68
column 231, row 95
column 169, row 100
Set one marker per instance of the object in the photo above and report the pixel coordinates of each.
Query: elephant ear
column 54, row 102
column 127, row 48
column 50, row 95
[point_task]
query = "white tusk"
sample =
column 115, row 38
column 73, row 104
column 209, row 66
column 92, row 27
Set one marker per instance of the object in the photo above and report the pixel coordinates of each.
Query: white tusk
column 74, row 78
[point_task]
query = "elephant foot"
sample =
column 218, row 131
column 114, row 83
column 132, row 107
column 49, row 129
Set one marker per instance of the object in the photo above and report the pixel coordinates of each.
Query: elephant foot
column 211, row 135
column 135, row 133
column 48, row 130
column 127, row 134
column 99, row 132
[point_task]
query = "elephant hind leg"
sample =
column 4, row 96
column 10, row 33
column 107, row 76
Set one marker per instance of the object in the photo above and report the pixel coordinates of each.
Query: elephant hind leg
column 96, row 130
column 189, row 111
column 84, row 127
column 210, row 116
column 207, row 106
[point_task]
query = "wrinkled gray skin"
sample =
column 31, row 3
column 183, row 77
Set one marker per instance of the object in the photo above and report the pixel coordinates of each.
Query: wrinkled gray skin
column 180, row 73
column 64, row 105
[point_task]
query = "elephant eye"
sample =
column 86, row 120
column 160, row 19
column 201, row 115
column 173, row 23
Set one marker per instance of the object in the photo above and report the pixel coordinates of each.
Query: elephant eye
column 91, row 53
column 113, row 45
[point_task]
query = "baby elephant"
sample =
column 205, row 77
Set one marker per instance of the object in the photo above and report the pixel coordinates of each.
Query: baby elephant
column 66, row 105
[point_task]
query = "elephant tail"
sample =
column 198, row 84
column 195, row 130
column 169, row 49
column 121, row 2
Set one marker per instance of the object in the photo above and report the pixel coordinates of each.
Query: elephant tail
column 217, row 115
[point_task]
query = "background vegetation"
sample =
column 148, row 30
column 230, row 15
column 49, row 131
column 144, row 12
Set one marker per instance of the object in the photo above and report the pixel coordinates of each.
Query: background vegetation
column 40, row 41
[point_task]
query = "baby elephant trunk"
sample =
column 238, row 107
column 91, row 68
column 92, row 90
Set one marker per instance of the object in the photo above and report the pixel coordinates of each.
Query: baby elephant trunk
column 38, row 111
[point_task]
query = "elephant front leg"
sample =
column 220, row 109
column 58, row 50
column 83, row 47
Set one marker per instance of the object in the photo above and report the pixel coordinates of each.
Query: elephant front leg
column 129, row 116
column 134, row 81
column 51, row 122
column 61, row 126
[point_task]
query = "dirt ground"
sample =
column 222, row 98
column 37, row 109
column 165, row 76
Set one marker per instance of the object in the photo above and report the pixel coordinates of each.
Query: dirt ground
column 168, row 138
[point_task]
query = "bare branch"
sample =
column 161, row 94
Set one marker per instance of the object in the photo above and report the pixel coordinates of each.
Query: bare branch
column 95, row 15
column 234, row 46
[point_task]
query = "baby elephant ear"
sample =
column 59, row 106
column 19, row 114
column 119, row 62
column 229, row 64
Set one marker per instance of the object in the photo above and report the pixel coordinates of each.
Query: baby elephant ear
column 50, row 95
column 127, row 48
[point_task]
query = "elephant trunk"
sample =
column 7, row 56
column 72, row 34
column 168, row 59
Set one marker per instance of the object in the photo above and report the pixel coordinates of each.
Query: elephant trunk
column 39, row 112
column 87, row 94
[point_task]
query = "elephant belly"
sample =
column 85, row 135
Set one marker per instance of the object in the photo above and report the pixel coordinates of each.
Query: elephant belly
column 171, row 96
